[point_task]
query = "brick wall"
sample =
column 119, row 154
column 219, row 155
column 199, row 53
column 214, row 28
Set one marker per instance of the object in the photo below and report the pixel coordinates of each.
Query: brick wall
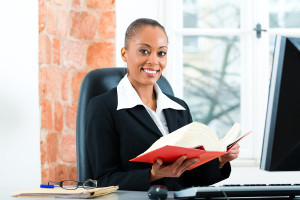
column 75, row 37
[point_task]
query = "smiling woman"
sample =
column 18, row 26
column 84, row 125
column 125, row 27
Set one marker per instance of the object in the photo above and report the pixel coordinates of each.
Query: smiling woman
column 118, row 121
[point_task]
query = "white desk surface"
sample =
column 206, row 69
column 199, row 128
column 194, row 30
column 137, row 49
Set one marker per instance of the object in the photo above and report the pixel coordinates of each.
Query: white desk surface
column 5, row 194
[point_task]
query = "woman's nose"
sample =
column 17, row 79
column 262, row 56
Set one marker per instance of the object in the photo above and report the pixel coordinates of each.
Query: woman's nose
column 153, row 59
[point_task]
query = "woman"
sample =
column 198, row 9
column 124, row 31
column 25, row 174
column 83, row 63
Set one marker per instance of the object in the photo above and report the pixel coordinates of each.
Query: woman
column 127, row 120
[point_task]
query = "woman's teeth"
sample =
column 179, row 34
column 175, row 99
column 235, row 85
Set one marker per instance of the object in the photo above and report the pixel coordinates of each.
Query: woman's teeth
column 150, row 71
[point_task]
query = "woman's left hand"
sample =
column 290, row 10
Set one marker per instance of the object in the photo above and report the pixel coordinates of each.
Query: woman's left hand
column 231, row 155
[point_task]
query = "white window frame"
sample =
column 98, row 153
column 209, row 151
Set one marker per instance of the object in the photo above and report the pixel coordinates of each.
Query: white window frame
column 253, row 98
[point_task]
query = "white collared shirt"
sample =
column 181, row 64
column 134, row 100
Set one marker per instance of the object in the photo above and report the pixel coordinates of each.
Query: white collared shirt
column 128, row 98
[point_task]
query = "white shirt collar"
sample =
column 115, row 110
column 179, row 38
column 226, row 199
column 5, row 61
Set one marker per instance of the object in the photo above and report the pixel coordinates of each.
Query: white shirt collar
column 128, row 97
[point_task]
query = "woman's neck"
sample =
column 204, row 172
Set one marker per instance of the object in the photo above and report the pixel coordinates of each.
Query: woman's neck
column 147, row 95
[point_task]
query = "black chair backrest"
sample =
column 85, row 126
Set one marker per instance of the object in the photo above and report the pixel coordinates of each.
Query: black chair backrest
column 95, row 83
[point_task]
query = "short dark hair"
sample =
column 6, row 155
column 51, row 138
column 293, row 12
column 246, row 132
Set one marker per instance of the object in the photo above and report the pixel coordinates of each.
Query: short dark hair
column 139, row 23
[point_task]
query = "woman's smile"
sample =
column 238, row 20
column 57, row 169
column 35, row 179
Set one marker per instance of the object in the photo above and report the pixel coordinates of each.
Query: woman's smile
column 150, row 72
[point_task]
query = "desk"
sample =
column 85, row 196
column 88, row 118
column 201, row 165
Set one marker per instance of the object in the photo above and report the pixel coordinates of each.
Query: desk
column 5, row 194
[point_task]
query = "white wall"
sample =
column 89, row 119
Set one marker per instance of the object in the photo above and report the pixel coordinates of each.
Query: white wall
column 19, row 100
column 127, row 12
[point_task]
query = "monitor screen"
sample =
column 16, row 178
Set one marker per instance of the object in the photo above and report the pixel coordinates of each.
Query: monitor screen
column 281, row 144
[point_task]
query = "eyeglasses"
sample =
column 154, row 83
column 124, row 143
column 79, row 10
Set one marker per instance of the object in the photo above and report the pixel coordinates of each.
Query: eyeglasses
column 73, row 185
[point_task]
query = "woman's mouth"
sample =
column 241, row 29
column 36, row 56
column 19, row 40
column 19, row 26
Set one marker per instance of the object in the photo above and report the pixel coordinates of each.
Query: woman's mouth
column 150, row 72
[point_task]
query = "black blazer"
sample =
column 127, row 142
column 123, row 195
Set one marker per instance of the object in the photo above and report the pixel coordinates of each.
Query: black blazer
column 116, row 136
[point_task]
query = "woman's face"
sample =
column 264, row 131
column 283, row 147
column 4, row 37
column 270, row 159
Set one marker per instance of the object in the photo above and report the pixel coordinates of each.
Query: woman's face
column 146, row 55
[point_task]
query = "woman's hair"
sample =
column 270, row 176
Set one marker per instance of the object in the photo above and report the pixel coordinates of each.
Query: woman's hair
column 139, row 23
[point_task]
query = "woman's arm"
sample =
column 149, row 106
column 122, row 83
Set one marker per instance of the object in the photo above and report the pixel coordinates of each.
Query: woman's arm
column 104, row 151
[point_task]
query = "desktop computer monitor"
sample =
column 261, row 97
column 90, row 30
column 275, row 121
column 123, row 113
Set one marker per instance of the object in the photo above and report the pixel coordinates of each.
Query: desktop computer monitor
column 281, row 144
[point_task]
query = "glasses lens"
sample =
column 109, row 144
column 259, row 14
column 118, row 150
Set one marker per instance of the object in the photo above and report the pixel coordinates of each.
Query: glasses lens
column 69, row 185
column 89, row 184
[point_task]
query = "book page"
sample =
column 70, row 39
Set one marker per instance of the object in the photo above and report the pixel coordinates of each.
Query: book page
column 199, row 134
column 190, row 136
column 231, row 136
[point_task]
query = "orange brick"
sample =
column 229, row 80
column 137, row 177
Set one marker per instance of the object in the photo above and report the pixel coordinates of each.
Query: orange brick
column 68, row 147
column 62, row 23
column 61, row 173
column 42, row 15
column 51, row 19
column 100, row 55
column 75, row 3
column 76, row 83
column 71, row 116
column 46, row 114
column 83, row 25
column 73, row 54
column 61, row 2
column 58, row 116
column 44, row 49
column 56, row 51
column 53, row 82
column 43, row 82
column 52, row 147
column 107, row 25
column 49, row 82
column 73, row 173
column 47, row 175
column 43, row 152
column 100, row 3
column 65, row 85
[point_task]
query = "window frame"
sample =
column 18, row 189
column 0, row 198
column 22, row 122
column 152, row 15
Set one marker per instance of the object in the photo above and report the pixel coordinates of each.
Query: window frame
column 173, row 23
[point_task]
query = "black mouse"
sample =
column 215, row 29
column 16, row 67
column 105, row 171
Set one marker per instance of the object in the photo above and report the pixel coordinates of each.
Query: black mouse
column 158, row 192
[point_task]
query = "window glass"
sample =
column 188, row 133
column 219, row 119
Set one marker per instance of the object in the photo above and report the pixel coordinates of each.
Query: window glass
column 211, row 14
column 212, row 80
column 284, row 14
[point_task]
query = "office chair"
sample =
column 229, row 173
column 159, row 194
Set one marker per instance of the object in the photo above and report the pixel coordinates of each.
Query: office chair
column 95, row 83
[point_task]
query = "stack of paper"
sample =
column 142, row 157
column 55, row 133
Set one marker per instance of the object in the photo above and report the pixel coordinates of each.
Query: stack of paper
column 58, row 192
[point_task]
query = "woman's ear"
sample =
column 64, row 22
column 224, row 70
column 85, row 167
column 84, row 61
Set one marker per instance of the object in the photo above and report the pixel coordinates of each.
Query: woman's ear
column 124, row 54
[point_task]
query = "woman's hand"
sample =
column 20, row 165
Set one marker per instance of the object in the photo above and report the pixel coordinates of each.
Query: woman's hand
column 159, row 170
column 231, row 155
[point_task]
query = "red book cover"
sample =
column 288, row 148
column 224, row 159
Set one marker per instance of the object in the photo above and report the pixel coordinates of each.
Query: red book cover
column 170, row 153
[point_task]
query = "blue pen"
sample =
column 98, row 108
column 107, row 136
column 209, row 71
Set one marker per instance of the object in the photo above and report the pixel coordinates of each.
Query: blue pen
column 46, row 186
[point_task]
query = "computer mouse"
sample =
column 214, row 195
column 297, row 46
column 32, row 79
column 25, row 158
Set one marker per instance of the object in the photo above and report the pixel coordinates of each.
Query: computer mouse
column 158, row 192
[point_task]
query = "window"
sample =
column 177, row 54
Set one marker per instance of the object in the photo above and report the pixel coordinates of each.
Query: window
column 219, row 66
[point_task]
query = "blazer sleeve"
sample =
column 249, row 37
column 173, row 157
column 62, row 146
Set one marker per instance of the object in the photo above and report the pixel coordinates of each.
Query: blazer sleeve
column 104, row 151
column 206, row 174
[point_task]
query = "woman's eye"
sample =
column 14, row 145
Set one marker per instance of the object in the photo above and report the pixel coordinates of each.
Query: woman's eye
column 144, row 51
column 162, row 53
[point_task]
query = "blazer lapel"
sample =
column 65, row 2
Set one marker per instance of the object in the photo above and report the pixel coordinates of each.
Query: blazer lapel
column 141, row 114
column 171, row 118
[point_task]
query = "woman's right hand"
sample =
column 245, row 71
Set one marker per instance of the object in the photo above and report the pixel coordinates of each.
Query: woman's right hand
column 159, row 170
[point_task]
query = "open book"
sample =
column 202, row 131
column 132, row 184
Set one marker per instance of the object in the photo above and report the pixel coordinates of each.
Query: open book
column 58, row 192
column 194, row 140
